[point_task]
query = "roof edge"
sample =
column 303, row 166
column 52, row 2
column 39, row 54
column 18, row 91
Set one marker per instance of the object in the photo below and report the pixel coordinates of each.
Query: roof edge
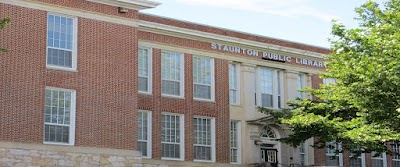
column 130, row 4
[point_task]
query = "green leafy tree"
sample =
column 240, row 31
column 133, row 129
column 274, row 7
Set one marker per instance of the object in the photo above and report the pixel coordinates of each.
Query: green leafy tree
column 361, row 110
column 3, row 23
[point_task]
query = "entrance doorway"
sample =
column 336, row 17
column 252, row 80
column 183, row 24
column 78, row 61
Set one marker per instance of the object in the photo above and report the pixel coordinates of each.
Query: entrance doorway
column 270, row 156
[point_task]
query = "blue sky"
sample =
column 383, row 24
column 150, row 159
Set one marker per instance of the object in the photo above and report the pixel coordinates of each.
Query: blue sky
column 304, row 21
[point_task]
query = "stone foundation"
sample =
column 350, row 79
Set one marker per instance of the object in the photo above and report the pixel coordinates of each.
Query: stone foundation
column 39, row 155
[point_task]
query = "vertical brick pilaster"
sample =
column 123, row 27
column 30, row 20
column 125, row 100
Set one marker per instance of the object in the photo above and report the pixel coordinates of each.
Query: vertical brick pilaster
column 156, row 133
column 189, row 113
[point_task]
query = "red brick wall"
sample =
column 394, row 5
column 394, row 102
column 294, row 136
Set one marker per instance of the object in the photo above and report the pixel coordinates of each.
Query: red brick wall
column 190, row 108
column 105, row 82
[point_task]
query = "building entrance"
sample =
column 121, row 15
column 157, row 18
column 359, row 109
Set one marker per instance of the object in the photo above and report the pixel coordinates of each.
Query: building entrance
column 270, row 156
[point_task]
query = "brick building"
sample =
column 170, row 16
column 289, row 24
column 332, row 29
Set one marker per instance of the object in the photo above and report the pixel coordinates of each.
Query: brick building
column 97, row 83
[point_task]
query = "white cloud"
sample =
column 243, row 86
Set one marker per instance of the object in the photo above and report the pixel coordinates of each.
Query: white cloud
column 288, row 8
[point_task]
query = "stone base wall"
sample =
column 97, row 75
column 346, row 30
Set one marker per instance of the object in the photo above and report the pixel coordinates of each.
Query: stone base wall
column 39, row 155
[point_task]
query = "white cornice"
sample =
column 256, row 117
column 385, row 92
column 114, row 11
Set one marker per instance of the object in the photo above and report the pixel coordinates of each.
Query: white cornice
column 209, row 37
column 130, row 4
column 72, row 12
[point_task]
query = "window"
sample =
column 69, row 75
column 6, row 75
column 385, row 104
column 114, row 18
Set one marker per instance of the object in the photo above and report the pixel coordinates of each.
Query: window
column 144, row 133
column 301, row 83
column 204, row 136
column 172, row 139
column 333, row 158
column 357, row 162
column 270, row 88
column 61, row 42
column 172, row 74
column 329, row 80
column 378, row 160
column 203, row 78
column 267, row 132
column 234, row 83
column 144, row 70
column 302, row 152
column 59, row 124
column 396, row 158
column 235, row 142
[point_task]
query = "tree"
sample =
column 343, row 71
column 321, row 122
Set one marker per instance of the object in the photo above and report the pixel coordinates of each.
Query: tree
column 3, row 23
column 361, row 110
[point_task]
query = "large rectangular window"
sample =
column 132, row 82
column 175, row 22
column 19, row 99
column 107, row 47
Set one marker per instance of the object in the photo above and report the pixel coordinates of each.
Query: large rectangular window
column 172, row 74
column 302, row 153
column 172, row 139
column 204, row 146
column 59, row 124
column 270, row 87
column 203, row 78
column 378, row 160
column 61, row 42
column 301, row 83
column 234, row 83
column 144, row 65
column 144, row 133
column 235, row 142
column 396, row 158
column 333, row 157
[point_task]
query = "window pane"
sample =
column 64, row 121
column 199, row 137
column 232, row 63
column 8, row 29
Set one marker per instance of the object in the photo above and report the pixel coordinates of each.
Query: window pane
column 202, row 91
column 170, row 87
column 202, row 136
column 170, row 73
column 170, row 136
column 59, row 41
column 143, row 84
column 266, row 100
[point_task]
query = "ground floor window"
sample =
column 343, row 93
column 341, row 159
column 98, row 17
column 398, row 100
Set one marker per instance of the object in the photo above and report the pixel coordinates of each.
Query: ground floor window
column 204, row 139
column 235, row 142
column 172, row 139
column 144, row 133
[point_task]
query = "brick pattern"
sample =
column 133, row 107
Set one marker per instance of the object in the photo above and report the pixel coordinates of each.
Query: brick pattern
column 231, row 33
column 189, row 107
column 105, row 81
column 93, row 7
column 193, row 44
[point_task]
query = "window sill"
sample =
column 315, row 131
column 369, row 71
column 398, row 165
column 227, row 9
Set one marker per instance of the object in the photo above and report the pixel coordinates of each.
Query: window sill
column 145, row 93
column 172, row 96
column 171, row 159
column 271, row 108
column 59, row 144
column 206, row 161
column 235, row 105
column 61, row 68
column 204, row 100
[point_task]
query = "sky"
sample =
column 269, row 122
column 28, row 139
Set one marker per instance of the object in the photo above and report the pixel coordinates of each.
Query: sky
column 303, row 21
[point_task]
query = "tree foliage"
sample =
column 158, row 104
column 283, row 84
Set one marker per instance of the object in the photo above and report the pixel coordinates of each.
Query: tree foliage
column 361, row 110
column 3, row 23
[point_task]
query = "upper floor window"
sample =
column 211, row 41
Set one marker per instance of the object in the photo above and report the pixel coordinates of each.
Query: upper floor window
column 203, row 78
column 267, row 132
column 378, row 160
column 144, row 65
column 59, row 122
column 172, row 74
column 396, row 158
column 269, row 87
column 301, row 83
column 234, row 83
column 204, row 139
column 61, row 42
column 144, row 133
column 172, row 137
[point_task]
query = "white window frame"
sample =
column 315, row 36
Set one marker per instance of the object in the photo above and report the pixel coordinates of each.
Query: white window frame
column 363, row 163
column 150, row 70
column 303, row 146
column 382, row 158
column 213, row 150
column 72, row 118
column 212, row 89
column 275, row 87
column 182, row 76
column 237, row 74
column 239, row 142
column 74, row 61
column 340, row 155
column 181, row 135
column 301, row 83
column 149, row 134
column 395, row 148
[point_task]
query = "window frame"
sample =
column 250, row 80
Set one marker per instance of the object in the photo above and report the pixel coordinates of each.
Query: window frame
column 181, row 135
column 74, row 57
column 182, row 76
column 213, row 137
column 277, row 90
column 303, row 147
column 72, row 118
column 301, row 83
column 395, row 147
column 237, row 74
column 150, row 70
column 238, row 138
column 382, row 158
column 212, row 85
column 339, row 155
column 149, row 134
